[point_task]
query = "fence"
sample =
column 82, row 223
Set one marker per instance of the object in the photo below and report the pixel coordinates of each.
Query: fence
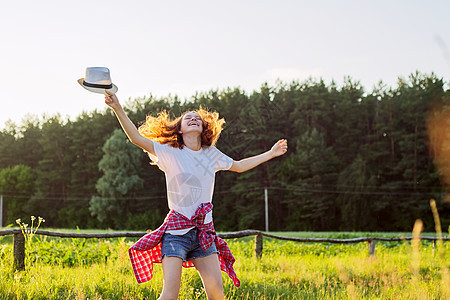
column 19, row 240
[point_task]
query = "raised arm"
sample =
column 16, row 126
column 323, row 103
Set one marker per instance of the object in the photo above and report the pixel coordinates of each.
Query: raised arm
column 245, row 164
column 128, row 127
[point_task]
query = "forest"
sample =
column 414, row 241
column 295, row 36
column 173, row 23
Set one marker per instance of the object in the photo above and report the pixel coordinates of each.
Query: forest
column 358, row 160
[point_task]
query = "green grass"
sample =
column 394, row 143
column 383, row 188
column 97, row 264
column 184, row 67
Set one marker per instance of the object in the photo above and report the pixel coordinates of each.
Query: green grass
column 100, row 269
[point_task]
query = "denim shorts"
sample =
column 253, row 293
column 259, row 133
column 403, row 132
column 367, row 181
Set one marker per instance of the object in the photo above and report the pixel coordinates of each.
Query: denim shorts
column 186, row 246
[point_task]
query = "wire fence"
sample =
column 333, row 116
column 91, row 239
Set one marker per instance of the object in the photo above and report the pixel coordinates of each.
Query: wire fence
column 19, row 240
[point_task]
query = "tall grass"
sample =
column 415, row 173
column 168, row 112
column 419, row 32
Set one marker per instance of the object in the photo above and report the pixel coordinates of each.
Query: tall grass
column 100, row 269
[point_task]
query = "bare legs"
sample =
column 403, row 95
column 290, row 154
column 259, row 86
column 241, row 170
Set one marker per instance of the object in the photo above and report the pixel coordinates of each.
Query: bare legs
column 209, row 269
column 172, row 277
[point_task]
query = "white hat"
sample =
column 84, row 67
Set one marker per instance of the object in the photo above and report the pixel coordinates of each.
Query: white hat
column 98, row 80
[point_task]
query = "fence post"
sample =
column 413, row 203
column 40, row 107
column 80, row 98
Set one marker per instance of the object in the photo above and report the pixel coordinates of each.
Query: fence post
column 266, row 207
column 19, row 251
column 1, row 210
column 371, row 246
column 258, row 245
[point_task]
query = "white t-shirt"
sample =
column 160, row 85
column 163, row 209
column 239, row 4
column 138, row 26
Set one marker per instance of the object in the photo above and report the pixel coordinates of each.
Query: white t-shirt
column 189, row 177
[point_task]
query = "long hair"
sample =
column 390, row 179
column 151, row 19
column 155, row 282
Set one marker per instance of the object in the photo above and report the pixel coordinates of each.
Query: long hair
column 164, row 130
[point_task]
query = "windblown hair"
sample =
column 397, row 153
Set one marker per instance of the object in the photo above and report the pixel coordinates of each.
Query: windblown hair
column 164, row 130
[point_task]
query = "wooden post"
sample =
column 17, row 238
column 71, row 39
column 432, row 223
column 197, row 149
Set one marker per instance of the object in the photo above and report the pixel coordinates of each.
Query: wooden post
column 19, row 251
column 371, row 245
column 1, row 211
column 266, row 208
column 258, row 245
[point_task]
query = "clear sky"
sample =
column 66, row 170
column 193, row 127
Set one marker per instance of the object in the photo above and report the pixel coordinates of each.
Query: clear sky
column 179, row 47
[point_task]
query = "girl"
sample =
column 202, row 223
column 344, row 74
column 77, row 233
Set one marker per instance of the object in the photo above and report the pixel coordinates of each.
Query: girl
column 184, row 150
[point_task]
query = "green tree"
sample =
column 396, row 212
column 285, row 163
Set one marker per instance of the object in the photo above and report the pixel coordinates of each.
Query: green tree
column 28, row 148
column 8, row 147
column 309, row 174
column 119, row 182
column 88, row 134
column 356, row 183
column 406, row 177
column 53, row 170
column 261, row 120
column 349, row 123
column 17, row 186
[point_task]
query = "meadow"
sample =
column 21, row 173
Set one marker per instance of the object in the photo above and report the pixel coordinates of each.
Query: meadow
column 100, row 269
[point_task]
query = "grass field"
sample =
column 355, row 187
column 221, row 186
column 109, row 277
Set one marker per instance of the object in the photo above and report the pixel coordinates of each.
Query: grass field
column 100, row 269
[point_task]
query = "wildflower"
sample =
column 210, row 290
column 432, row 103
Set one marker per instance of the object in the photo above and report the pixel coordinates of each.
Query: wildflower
column 18, row 221
column 33, row 218
column 17, row 276
column 41, row 219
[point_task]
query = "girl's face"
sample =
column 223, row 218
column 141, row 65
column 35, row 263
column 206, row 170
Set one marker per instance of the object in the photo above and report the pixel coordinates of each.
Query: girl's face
column 191, row 122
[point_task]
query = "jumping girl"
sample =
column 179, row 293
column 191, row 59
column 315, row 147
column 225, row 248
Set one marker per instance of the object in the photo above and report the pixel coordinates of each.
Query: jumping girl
column 184, row 150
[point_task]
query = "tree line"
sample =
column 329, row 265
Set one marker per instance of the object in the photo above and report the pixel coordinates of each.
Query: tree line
column 357, row 160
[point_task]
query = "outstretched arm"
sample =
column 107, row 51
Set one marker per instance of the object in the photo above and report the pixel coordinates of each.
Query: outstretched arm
column 128, row 127
column 245, row 164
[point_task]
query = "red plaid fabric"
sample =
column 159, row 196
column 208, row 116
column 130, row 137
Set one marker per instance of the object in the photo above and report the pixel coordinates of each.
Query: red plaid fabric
column 147, row 250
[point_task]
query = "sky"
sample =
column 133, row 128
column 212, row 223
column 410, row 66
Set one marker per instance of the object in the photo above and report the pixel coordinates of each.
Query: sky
column 183, row 47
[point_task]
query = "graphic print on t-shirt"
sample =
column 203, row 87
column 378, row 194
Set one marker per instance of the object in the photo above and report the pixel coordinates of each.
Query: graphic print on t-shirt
column 209, row 160
column 184, row 182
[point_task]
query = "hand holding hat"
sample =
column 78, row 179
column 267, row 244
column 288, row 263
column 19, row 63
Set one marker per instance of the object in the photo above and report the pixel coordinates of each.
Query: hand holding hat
column 111, row 100
column 98, row 80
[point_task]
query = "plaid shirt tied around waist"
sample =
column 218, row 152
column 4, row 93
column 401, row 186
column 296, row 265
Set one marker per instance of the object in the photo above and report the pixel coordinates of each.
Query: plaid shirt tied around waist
column 147, row 250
